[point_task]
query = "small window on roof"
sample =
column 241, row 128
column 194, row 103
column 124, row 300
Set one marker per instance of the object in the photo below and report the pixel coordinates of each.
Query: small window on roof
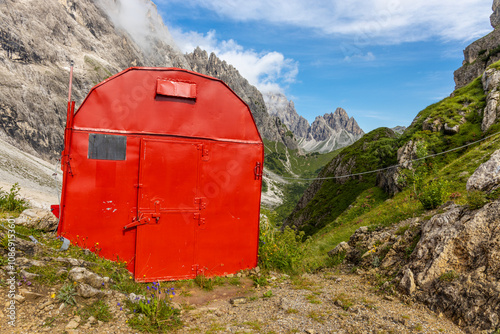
column 107, row 147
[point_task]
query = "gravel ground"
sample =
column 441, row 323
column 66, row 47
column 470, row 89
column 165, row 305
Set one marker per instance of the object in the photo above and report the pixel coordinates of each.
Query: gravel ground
column 327, row 302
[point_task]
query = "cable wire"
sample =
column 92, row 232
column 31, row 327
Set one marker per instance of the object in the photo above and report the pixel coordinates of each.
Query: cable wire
column 390, row 167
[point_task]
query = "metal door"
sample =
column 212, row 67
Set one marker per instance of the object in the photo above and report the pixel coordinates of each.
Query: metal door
column 168, row 210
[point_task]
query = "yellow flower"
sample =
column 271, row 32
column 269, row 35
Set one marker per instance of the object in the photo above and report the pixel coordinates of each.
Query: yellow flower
column 130, row 277
column 97, row 244
column 74, row 283
column 53, row 296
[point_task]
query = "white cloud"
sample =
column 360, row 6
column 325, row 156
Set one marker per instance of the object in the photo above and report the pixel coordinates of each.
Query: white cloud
column 366, row 21
column 268, row 71
column 140, row 19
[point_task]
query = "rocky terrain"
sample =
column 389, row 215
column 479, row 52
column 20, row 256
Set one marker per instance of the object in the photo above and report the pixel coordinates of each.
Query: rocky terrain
column 330, row 301
column 327, row 133
column 39, row 39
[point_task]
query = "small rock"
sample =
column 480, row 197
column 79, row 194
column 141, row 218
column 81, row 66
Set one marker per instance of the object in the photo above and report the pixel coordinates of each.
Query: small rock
column 30, row 295
column 343, row 247
column 135, row 298
column 20, row 299
column 389, row 298
column 407, row 283
column 75, row 322
column 310, row 331
column 238, row 301
column 87, row 291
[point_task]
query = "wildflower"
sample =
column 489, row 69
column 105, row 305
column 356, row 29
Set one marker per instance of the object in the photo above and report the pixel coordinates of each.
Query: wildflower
column 53, row 296
column 147, row 287
column 97, row 244
column 29, row 283
column 118, row 304
column 130, row 277
column 74, row 283
column 121, row 309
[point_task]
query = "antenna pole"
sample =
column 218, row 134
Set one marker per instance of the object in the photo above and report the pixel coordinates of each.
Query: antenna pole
column 70, row 80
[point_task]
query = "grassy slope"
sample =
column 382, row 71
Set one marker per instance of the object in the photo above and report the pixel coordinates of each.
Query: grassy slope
column 374, row 150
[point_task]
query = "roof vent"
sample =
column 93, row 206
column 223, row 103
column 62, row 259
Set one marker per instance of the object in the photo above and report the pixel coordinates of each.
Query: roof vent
column 179, row 89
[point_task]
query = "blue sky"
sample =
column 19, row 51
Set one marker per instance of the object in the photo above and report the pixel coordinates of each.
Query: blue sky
column 381, row 60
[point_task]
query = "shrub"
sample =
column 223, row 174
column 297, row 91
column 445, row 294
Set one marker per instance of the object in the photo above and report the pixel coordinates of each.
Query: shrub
column 433, row 194
column 281, row 250
column 11, row 202
column 476, row 199
column 449, row 276
column 155, row 314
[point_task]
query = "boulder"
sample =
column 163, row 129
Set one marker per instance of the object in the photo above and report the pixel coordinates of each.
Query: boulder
column 343, row 247
column 407, row 283
column 83, row 275
column 86, row 291
column 38, row 219
column 487, row 175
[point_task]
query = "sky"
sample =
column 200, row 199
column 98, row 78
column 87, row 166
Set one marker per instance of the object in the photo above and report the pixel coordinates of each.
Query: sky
column 381, row 60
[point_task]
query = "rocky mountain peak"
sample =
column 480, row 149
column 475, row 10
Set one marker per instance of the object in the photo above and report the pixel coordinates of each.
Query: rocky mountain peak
column 327, row 133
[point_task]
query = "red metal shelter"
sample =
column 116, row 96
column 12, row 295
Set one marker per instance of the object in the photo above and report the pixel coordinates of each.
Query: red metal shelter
column 163, row 169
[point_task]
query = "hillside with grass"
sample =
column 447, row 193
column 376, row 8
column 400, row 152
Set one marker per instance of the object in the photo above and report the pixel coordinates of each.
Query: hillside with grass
column 436, row 228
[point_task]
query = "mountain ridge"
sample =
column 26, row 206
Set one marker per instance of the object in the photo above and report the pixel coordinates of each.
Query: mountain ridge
column 327, row 133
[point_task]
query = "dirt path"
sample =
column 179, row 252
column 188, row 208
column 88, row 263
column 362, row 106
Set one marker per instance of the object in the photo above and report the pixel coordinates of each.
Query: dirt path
column 327, row 302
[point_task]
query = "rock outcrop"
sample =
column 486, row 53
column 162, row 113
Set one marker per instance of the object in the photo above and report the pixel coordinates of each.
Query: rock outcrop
column 481, row 53
column 491, row 86
column 449, row 260
column 487, row 176
column 495, row 17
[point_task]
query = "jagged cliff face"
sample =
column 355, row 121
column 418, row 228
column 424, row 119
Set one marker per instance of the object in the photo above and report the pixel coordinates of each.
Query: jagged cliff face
column 482, row 53
column 39, row 38
column 327, row 133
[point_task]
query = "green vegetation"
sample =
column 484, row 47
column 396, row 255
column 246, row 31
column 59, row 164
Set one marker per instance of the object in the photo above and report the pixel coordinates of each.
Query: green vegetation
column 98, row 309
column 10, row 201
column 374, row 150
column 340, row 207
column 449, row 276
column 476, row 199
column 155, row 313
column 67, row 294
column 281, row 250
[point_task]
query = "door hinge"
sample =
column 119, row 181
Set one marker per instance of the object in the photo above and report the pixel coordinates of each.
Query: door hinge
column 201, row 202
column 201, row 221
column 258, row 171
column 205, row 152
